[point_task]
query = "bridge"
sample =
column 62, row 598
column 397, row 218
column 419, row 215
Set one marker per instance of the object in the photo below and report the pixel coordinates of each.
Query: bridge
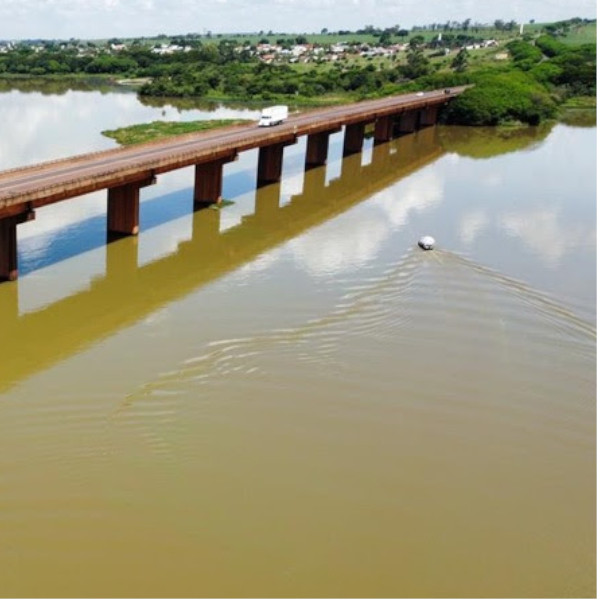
column 125, row 171
column 122, row 291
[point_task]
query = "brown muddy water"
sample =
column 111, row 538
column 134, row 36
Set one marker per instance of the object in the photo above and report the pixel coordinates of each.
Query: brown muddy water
column 286, row 397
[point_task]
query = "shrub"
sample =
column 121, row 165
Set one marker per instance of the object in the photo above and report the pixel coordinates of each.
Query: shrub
column 524, row 54
column 501, row 97
column 550, row 46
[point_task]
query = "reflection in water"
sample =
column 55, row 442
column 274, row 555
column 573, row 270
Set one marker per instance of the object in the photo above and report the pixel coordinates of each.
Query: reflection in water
column 287, row 398
column 542, row 230
column 579, row 117
column 472, row 225
column 36, row 128
column 122, row 293
column 485, row 142
column 54, row 87
column 186, row 104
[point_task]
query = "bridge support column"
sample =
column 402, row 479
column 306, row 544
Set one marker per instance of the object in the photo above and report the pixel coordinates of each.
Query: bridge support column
column 353, row 138
column 408, row 121
column 208, row 182
column 317, row 146
column 270, row 163
column 8, row 244
column 383, row 129
column 428, row 116
column 123, row 209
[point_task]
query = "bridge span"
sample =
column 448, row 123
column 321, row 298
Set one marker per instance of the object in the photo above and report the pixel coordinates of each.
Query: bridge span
column 124, row 171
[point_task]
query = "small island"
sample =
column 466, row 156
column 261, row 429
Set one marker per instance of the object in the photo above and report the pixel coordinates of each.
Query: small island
column 156, row 130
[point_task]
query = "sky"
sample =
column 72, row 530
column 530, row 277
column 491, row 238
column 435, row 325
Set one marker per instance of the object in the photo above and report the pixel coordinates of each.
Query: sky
column 98, row 19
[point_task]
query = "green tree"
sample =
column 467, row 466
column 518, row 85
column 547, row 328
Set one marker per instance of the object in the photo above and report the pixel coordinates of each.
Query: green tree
column 417, row 64
column 501, row 97
column 385, row 39
column 461, row 61
column 416, row 40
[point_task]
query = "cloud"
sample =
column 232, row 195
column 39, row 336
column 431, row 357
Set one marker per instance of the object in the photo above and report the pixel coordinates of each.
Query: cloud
column 544, row 231
column 472, row 225
column 422, row 191
column 341, row 245
column 52, row 19
column 353, row 239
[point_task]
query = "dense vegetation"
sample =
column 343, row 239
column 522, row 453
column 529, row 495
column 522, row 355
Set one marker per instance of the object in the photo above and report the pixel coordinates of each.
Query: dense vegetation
column 541, row 73
column 541, row 76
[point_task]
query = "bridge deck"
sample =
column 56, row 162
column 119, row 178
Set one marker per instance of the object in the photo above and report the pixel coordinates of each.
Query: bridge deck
column 30, row 187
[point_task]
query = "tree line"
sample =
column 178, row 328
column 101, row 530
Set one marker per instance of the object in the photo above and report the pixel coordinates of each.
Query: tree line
column 540, row 75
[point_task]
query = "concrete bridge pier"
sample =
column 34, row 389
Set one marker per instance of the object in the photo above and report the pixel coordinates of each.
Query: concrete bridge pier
column 408, row 122
column 384, row 129
column 353, row 138
column 123, row 209
column 208, row 182
column 270, row 163
column 317, row 146
column 8, row 244
column 428, row 116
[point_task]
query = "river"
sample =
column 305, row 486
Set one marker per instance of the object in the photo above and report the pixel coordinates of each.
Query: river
column 285, row 397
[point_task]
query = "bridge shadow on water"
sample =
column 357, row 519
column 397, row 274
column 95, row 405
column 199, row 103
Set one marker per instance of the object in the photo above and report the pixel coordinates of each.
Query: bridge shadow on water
column 127, row 292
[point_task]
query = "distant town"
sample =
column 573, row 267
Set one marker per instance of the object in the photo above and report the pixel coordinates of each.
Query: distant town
column 516, row 72
column 269, row 47
column 267, row 52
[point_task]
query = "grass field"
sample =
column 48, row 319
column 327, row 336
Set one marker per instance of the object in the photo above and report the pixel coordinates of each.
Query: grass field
column 585, row 34
column 335, row 38
column 578, row 34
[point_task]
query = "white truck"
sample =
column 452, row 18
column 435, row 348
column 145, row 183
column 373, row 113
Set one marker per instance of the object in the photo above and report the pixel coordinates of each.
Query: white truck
column 273, row 115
